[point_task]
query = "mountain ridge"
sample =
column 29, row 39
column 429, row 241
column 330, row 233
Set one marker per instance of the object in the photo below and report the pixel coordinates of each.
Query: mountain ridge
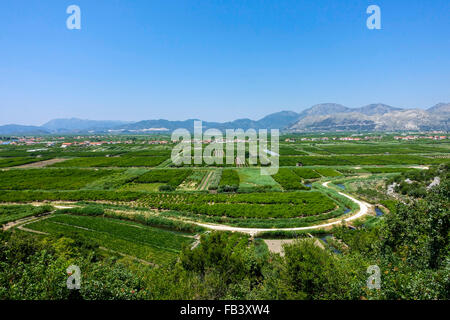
column 319, row 117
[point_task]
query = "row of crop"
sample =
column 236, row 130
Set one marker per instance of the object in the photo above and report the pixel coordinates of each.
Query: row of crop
column 229, row 181
column 292, row 198
column 118, row 161
column 268, row 205
column 327, row 172
column 248, row 210
column 79, row 195
column 14, row 212
column 12, row 162
column 168, row 176
column 288, row 180
column 49, row 179
column 214, row 180
column 397, row 148
column 306, row 173
column 287, row 150
column 360, row 160
column 143, row 218
column 282, row 234
column 150, row 244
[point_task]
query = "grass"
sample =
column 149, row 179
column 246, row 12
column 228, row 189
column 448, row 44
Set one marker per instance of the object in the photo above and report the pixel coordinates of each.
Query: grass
column 251, row 179
column 150, row 244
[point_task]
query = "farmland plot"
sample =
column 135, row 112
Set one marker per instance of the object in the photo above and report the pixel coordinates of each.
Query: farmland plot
column 150, row 244
column 49, row 179
column 251, row 179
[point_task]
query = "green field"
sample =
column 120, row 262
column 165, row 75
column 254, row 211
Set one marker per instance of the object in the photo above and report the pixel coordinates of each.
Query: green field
column 251, row 179
column 49, row 179
column 147, row 243
column 116, row 161
column 288, row 180
column 327, row 172
column 253, row 205
column 306, row 173
column 15, row 212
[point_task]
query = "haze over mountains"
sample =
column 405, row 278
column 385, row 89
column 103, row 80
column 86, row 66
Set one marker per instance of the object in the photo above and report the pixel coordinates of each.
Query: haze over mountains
column 326, row 117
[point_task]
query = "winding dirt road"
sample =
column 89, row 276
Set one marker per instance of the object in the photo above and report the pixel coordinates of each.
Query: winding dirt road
column 363, row 210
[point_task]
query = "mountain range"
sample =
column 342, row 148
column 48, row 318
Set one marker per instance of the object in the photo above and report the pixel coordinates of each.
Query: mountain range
column 325, row 117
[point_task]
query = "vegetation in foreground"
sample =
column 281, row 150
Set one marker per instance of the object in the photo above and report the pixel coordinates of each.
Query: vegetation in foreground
column 411, row 247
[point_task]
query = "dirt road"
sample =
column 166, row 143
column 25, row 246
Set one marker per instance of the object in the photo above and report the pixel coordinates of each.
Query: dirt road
column 363, row 210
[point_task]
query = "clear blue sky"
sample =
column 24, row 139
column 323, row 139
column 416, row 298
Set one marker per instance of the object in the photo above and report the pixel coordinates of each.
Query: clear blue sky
column 217, row 60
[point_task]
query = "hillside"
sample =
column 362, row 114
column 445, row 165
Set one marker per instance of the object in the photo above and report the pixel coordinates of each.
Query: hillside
column 320, row 117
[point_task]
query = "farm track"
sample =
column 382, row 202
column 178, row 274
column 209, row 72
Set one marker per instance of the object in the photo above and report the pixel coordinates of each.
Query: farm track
column 364, row 208
column 205, row 181
column 24, row 221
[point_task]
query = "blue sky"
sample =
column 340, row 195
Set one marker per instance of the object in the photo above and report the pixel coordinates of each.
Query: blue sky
column 217, row 60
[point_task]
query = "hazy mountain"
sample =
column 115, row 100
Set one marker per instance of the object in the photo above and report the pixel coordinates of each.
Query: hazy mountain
column 440, row 109
column 348, row 121
column 323, row 110
column 16, row 129
column 75, row 124
column 279, row 120
column 377, row 108
column 320, row 117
